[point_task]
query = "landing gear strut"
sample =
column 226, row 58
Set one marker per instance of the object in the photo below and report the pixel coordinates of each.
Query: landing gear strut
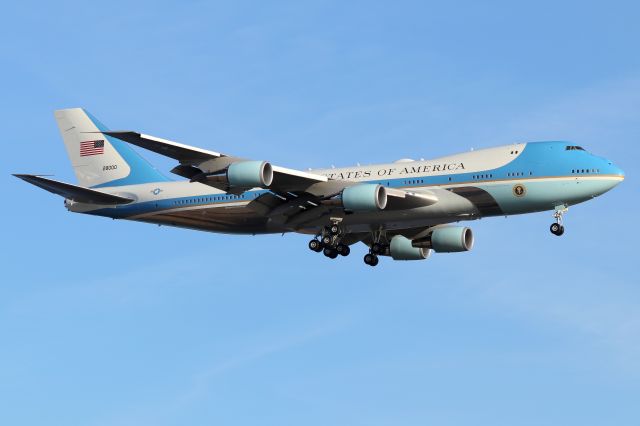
column 378, row 247
column 557, row 228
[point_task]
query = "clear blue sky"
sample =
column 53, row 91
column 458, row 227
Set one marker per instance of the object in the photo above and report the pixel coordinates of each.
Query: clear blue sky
column 113, row 323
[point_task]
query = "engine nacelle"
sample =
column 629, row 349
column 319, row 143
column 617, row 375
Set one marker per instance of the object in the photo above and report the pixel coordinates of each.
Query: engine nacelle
column 401, row 249
column 364, row 197
column 250, row 174
column 448, row 239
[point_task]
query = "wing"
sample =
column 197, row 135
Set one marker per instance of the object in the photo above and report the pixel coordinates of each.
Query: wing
column 295, row 197
column 200, row 164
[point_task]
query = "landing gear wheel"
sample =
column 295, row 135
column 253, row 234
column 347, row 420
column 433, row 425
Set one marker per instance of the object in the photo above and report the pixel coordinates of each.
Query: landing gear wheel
column 315, row 245
column 371, row 259
column 343, row 249
column 556, row 229
column 331, row 253
column 327, row 240
column 334, row 229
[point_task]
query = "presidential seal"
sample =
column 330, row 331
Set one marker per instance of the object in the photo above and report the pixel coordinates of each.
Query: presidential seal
column 519, row 190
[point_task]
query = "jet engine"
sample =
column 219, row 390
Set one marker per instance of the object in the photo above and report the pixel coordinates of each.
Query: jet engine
column 250, row 174
column 364, row 197
column 447, row 239
column 243, row 174
column 401, row 249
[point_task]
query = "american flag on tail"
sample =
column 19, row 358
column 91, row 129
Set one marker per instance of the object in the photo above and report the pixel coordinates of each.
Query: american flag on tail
column 91, row 148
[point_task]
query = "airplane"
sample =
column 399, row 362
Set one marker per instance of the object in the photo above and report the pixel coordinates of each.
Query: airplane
column 404, row 210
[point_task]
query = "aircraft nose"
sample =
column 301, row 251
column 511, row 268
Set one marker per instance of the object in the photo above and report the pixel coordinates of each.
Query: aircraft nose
column 616, row 175
column 616, row 171
column 620, row 173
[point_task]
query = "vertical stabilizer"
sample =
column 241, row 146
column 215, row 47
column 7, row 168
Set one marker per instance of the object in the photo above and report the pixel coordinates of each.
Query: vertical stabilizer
column 100, row 160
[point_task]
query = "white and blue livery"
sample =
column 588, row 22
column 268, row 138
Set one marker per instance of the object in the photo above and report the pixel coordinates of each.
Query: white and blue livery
column 402, row 210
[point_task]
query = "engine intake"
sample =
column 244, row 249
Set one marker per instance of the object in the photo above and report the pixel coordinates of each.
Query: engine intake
column 364, row 197
column 448, row 239
column 401, row 249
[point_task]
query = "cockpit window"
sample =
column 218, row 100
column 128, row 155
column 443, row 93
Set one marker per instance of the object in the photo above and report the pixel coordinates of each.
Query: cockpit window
column 574, row 147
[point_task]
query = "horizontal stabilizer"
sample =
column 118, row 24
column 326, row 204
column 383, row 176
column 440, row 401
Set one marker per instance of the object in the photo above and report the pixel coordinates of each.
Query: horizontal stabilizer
column 73, row 192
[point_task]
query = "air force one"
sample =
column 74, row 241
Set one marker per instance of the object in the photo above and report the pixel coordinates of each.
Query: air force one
column 403, row 210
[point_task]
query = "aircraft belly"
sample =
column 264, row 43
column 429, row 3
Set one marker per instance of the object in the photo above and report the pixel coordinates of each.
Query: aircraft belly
column 233, row 220
column 241, row 219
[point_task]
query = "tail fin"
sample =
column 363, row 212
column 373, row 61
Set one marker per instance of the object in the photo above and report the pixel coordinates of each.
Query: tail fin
column 100, row 160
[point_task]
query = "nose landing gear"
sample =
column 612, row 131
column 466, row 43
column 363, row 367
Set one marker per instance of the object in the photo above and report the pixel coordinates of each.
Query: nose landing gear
column 557, row 228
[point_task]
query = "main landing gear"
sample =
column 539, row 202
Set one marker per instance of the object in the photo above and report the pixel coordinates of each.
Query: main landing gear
column 329, row 242
column 371, row 259
column 378, row 247
column 557, row 228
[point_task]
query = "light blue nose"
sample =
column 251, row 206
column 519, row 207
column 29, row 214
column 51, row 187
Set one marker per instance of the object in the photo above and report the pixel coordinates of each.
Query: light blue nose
column 619, row 172
column 615, row 175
